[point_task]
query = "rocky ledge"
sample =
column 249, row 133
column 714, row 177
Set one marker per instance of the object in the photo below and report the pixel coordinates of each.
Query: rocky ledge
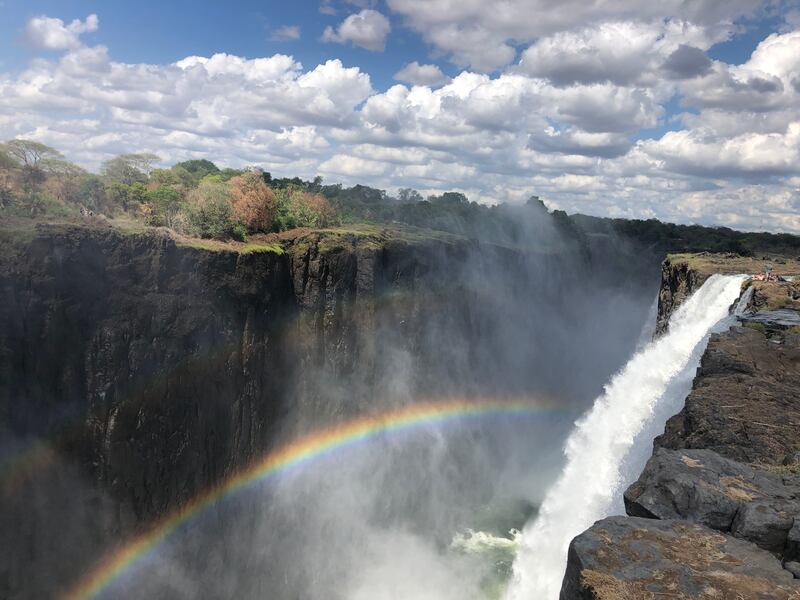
column 716, row 512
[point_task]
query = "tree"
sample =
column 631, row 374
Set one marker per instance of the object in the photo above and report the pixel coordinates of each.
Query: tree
column 92, row 192
column 128, row 169
column 252, row 202
column 198, row 169
column 209, row 210
column 29, row 155
column 167, row 202
column 126, row 196
column 408, row 195
column 63, row 179
column 297, row 208
column 176, row 176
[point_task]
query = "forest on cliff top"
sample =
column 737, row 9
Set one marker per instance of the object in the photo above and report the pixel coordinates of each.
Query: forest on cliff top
column 197, row 198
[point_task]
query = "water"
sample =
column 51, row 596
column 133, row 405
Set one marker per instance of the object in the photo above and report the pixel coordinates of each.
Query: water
column 590, row 486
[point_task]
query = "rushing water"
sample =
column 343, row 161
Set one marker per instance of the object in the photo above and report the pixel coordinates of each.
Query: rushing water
column 595, row 472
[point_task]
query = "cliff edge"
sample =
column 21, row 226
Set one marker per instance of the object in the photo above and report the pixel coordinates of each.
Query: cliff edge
column 715, row 514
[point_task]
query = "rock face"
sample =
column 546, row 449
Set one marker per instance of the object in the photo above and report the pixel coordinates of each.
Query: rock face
column 744, row 401
column 678, row 281
column 716, row 511
column 623, row 558
column 136, row 373
column 726, row 495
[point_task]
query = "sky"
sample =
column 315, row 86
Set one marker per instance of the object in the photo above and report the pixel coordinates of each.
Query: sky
column 683, row 111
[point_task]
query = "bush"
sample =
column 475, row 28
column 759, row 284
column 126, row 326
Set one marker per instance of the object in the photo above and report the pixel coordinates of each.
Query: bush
column 209, row 211
column 253, row 203
column 167, row 202
column 297, row 208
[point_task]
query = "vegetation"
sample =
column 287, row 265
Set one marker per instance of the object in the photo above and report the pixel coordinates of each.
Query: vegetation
column 193, row 198
column 199, row 199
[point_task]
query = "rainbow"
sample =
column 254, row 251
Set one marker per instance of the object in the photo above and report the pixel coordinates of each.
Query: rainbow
column 296, row 453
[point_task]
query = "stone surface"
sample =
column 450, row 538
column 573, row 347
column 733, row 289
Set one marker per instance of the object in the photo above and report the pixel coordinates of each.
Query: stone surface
column 627, row 558
column 702, row 486
column 744, row 403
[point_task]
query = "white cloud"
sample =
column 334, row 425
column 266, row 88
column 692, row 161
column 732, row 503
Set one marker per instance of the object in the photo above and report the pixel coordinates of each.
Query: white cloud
column 53, row 34
column 562, row 123
column 366, row 29
column 284, row 33
column 417, row 74
column 482, row 34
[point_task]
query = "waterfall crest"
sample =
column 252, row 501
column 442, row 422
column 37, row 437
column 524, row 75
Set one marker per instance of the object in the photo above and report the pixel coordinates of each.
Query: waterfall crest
column 593, row 477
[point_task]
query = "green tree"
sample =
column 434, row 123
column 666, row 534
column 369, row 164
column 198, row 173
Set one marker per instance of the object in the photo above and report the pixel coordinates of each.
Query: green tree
column 167, row 203
column 209, row 210
column 128, row 169
column 29, row 155
column 197, row 169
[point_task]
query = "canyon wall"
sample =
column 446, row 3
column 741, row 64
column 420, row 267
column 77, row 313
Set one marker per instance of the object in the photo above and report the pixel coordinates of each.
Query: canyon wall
column 716, row 511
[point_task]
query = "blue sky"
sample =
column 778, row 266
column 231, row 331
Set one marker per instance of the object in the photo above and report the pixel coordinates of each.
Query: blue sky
column 166, row 31
column 682, row 111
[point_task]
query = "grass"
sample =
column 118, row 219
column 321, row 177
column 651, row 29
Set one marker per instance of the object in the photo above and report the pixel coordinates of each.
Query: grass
column 709, row 263
column 17, row 232
column 790, row 469
column 755, row 325
column 228, row 246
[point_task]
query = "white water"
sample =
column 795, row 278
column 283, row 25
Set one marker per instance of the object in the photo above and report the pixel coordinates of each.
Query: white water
column 595, row 475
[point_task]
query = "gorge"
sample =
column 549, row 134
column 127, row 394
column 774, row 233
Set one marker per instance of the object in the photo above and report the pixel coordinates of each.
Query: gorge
column 138, row 371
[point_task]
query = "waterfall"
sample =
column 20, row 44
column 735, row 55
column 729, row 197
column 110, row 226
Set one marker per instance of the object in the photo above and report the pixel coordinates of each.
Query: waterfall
column 593, row 477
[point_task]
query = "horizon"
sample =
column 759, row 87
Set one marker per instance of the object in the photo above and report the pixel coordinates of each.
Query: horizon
column 683, row 115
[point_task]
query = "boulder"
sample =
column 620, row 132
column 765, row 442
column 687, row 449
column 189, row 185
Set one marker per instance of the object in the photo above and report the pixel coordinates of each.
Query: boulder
column 702, row 486
column 632, row 558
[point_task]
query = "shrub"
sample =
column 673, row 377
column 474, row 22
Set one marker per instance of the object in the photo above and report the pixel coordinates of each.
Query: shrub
column 252, row 202
column 297, row 208
column 209, row 210
column 167, row 202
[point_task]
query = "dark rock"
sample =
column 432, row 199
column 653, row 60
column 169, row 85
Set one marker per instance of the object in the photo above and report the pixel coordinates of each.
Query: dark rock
column 628, row 557
column 793, row 568
column 792, row 551
column 702, row 486
column 780, row 318
column 766, row 523
column 678, row 281
column 744, row 403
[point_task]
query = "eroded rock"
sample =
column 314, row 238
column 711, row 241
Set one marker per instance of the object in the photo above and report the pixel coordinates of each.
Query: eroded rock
column 635, row 558
column 702, row 486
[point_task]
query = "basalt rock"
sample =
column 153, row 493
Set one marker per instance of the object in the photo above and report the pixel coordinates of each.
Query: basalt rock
column 678, row 281
column 701, row 486
column 632, row 558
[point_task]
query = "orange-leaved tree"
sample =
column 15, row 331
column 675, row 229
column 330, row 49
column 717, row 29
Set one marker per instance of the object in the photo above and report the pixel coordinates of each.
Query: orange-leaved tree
column 252, row 201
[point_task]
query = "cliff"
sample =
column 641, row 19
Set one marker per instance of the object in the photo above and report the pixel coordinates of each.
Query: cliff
column 716, row 511
column 137, row 369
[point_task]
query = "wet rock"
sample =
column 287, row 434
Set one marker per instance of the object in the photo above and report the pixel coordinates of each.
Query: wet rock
column 774, row 319
column 628, row 557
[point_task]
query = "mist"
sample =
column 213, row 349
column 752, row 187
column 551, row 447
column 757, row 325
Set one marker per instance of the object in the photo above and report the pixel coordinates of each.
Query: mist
column 428, row 512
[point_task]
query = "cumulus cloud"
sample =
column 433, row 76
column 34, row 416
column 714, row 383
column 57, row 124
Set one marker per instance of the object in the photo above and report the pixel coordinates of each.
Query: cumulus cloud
column 53, row 34
column 366, row 29
column 687, row 62
column 482, row 35
column 284, row 33
column 417, row 74
column 564, row 122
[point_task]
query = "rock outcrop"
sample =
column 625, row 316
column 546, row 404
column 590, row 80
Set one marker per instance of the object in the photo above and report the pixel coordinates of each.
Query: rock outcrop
column 678, row 281
column 136, row 372
column 630, row 558
column 716, row 511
